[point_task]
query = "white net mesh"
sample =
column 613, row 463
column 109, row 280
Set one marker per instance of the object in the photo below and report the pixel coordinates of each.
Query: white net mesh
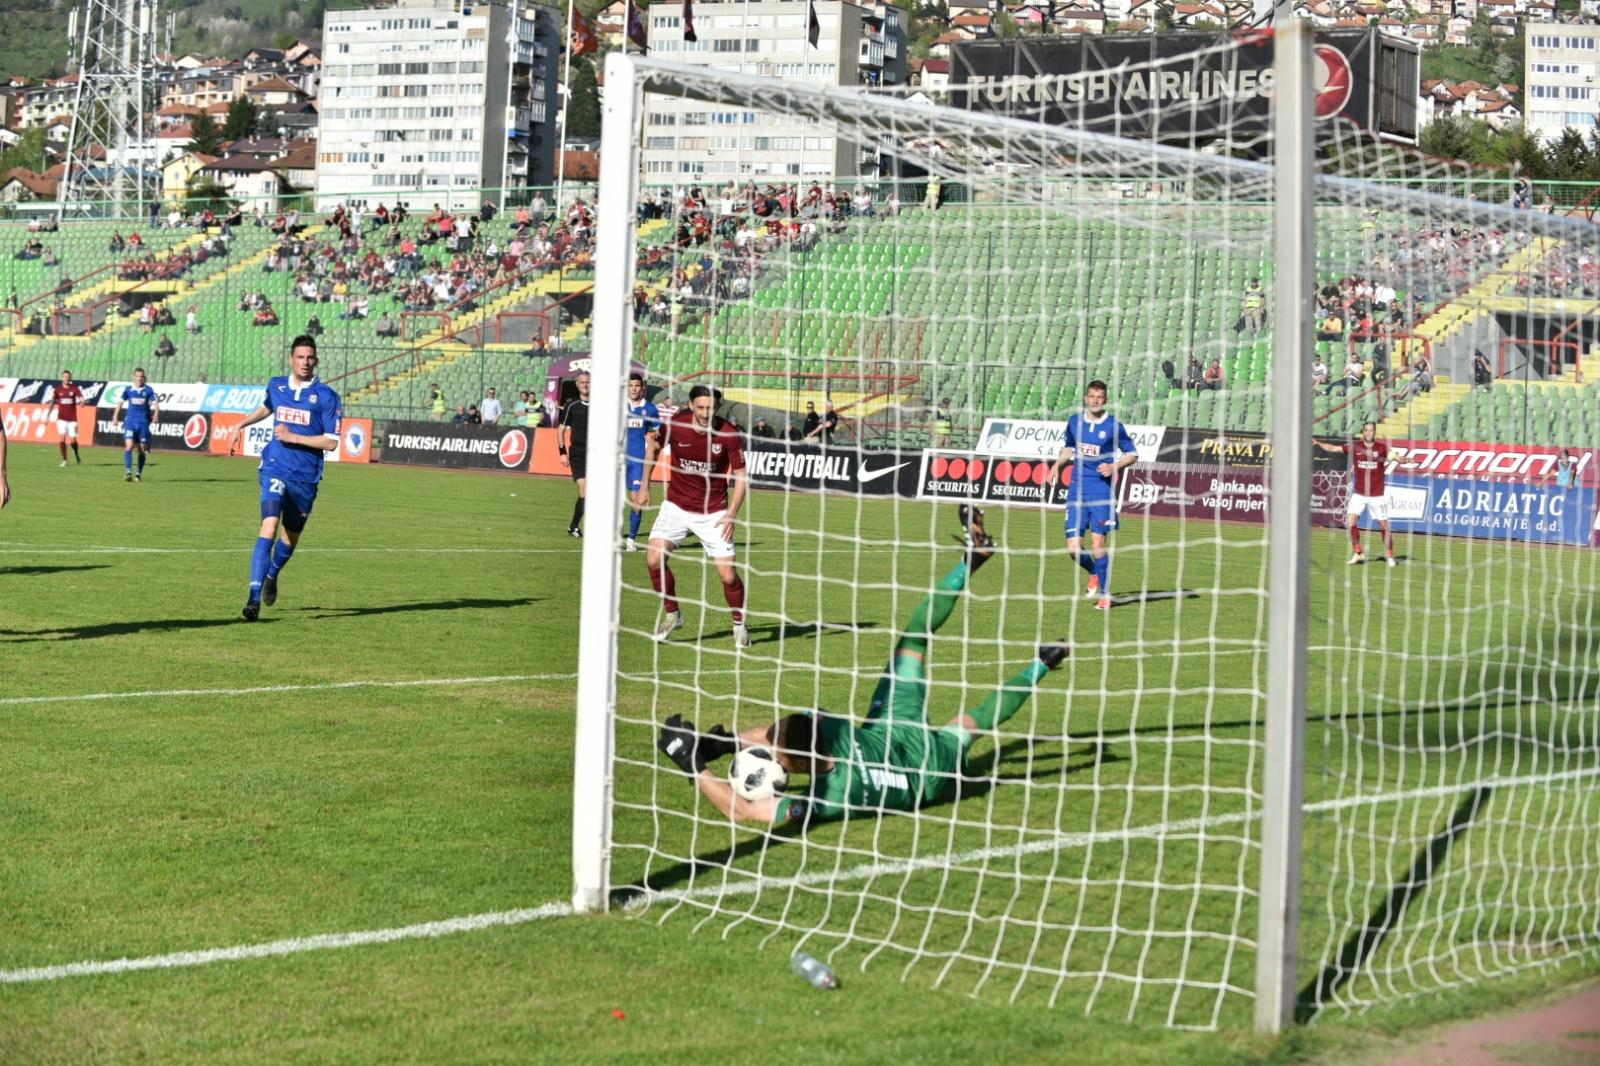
column 1098, row 846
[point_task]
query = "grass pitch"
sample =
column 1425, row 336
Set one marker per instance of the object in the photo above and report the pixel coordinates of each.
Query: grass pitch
column 257, row 786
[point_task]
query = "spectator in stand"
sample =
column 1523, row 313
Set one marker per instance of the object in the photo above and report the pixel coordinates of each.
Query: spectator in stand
column 762, row 430
column 191, row 321
column 166, row 348
column 793, row 433
column 522, row 413
column 437, row 407
column 474, row 418
column 1253, row 308
column 147, row 318
column 1421, row 378
column 1213, row 377
column 1332, row 327
column 491, row 409
column 829, row 424
column 1194, row 375
column 387, row 327
column 1355, row 372
column 460, row 417
column 813, row 422
column 1319, row 372
column 1482, row 372
column 265, row 315
column 1522, row 194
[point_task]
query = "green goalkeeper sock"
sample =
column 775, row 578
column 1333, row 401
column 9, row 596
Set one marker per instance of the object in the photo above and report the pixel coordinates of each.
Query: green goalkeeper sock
column 1001, row 705
column 935, row 608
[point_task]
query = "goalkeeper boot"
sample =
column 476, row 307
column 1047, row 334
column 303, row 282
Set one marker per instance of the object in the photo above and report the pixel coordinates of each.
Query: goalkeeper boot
column 968, row 514
column 269, row 592
column 1053, row 655
column 980, row 545
column 671, row 622
column 741, row 635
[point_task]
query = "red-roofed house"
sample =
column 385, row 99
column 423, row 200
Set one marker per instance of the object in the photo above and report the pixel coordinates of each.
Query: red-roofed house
column 20, row 184
column 275, row 92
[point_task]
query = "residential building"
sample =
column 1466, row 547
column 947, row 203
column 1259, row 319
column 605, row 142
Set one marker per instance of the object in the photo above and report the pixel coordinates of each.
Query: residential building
column 1561, row 66
column 690, row 141
column 253, row 180
column 429, row 101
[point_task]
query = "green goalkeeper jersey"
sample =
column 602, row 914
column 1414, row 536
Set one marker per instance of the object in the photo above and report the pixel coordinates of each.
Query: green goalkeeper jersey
column 887, row 764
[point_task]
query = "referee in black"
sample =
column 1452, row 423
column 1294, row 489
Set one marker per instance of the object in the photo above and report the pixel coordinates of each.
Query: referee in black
column 572, row 439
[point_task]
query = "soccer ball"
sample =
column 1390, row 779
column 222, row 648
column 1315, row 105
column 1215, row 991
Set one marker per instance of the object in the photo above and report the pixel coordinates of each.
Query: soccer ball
column 756, row 775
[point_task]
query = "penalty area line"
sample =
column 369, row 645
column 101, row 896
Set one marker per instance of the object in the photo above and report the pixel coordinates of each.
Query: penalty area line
column 640, row 900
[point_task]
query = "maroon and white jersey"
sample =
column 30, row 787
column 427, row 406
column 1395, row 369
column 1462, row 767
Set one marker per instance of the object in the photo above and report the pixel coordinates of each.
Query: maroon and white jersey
column 1367, row 463
column 68, row 397
column 702, row 460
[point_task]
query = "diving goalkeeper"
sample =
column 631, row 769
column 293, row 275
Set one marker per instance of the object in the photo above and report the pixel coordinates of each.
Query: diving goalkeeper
column 893, row 761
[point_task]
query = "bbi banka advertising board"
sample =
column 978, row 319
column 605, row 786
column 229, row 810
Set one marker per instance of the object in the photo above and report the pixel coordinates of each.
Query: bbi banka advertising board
column 1183, row 86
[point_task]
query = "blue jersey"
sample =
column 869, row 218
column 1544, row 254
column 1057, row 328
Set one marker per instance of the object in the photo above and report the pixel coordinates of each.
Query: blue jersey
column 311, row 410
column 643, row 420
column 1094, row 443
column 138, row 399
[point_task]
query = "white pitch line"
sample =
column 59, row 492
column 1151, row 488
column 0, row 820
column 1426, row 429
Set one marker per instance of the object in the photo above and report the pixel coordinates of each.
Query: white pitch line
column 864, row 871
column 626, row 674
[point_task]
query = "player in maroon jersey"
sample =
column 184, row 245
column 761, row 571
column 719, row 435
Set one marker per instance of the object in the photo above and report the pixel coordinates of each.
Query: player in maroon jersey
column 706, row 490
column 1368, row 458
column 68, row 397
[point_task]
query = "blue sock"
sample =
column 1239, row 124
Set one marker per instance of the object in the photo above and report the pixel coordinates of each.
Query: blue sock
column 633, row 523
column 127, row 461
column 1086, row 561
column 259, row 561
column 141, row 462
column 1102, row 570
column 281, row 553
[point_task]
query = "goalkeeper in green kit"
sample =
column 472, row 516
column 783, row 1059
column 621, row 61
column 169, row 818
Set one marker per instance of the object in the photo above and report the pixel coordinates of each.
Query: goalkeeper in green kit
column 895, row 760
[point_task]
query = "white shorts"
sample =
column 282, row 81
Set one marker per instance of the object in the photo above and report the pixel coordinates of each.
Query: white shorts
column 1376, row 506
column 67, row 429
column 673, row 523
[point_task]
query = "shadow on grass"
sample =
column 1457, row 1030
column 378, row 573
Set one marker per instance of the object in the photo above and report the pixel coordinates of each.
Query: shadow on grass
column 118, row 629
column 459, row 604
column 1362, row 943
column 777, row 631
column 34, row 570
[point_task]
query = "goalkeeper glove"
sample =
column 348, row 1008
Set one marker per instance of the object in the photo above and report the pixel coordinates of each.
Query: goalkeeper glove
column 679, row 743
column 717, row 743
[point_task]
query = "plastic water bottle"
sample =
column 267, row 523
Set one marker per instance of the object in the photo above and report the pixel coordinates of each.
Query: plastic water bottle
column 814, row 970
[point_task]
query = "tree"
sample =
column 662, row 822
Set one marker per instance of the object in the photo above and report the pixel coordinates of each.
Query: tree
column 203, row 192
column 242, row 117
column 1447, row 137
column 1570, row 159
column 1523, row 148
column 583, row 116
column 27, row 152
column 204, row 137
column 283, row 41
column 1006, row 28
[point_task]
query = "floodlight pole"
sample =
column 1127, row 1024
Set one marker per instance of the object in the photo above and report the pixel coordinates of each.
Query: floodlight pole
column 1283, row 785
column 602, row 572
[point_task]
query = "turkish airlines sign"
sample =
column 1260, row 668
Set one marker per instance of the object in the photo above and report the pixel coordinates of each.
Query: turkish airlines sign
column 466, row 446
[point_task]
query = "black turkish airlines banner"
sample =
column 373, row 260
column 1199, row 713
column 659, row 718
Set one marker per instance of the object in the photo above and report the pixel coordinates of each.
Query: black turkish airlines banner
column 178, row 430
column 460, row 446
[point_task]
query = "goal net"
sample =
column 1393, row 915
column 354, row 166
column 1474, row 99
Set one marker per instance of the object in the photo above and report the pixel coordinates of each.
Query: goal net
column 946, row 282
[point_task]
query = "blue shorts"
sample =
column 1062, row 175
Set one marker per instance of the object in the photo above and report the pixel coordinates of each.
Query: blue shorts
column 288, row 501
column 1090, row 517
column 135, row 434
column 635, row 474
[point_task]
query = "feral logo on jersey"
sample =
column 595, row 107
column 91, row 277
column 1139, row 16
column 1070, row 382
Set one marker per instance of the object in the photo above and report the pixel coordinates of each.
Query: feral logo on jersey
column 716, row 449
column 195, row 431
column 1334, row 81
column 513, row 449
column 294, row 416
column 355, row 440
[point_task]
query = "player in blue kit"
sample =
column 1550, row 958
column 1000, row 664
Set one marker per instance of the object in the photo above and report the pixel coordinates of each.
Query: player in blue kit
column 643, row 420
column 1098, row 445
column 305, row 415
column 139, row 399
